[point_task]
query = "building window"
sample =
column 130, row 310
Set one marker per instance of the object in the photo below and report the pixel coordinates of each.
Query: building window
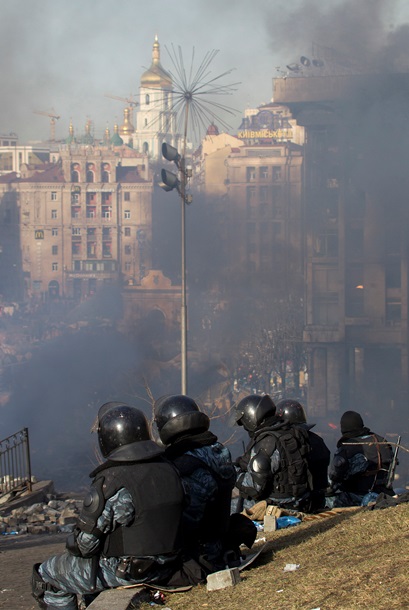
column 128, row 250
column 251, row 194
column 53, row 195
column 127, row 214
column 127, row 232
column 127, row 196
column 393, row 311
column 326, row 244
column 127, row 266
column 263, row 172
column 354, row 291
column 74, row 197
column 76, row 248
column 276, row 194
column 147, row 99
column 91, row 249
column 392, row 275
column 276, row 173
column 250, row 174
column 263, row 194
column 54, row 214
column 76, row 230
column 54, row 249
column 55, row 266
column 54, row 232
column 107, row 249
column 326, row 311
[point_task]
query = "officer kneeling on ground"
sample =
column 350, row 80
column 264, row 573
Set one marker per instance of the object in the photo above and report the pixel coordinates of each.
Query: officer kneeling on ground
column 360, row 465
column 129, row 527
column 274, row 466
column 208, row 475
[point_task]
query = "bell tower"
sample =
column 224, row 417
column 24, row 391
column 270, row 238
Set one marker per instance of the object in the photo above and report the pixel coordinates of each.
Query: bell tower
column 155, row 116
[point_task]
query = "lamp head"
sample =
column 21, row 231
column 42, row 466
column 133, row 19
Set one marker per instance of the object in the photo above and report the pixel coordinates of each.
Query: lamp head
column 170, row 153
column 170, row 180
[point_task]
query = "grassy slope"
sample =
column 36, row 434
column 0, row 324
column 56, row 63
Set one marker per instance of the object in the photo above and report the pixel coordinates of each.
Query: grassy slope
column 358, row 560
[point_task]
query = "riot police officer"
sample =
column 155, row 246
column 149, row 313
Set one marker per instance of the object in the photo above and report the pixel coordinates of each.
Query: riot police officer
column 274, row 467
column 129, row 527
column 318, row 458
column 208, row 474
column 360, row 464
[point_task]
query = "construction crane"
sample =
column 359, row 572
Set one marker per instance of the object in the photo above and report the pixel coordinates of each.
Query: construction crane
column 53, row 118
column 127, row 100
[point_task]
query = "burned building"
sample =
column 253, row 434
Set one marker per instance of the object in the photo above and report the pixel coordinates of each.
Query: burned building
column 356, row 239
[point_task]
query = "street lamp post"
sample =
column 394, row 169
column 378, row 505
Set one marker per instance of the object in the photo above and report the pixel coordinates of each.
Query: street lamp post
column 169, row 182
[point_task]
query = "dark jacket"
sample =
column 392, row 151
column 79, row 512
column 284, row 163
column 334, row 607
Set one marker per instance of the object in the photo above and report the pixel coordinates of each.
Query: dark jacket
column 285, row 477
column 361, row 463
column 318, row 460
column 208, row 475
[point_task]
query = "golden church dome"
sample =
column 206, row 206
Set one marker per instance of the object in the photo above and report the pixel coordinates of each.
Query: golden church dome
column 127, row 128
column 156, row 77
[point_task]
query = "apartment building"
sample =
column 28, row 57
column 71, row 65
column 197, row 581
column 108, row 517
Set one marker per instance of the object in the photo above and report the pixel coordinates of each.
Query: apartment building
column 81, row 222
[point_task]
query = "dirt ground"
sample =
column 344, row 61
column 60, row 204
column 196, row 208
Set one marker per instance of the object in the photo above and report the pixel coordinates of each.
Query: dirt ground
column 17, row 556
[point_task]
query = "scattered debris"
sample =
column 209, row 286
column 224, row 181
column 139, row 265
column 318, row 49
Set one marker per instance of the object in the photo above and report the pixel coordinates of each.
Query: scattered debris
column 291, row 567
column 55, row 516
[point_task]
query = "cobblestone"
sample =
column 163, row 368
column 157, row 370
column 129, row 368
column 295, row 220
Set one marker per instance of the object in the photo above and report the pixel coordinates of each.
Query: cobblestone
column 17, row 555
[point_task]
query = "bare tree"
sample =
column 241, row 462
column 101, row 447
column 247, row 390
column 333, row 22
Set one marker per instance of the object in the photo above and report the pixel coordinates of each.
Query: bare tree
column 275, row 344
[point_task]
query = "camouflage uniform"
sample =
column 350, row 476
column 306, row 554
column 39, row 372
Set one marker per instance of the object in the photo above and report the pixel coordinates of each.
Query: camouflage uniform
column 71, row 575
column 208, row 477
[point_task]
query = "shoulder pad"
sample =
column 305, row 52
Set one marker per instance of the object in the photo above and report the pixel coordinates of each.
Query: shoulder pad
column 92, row 507
column 261, row 463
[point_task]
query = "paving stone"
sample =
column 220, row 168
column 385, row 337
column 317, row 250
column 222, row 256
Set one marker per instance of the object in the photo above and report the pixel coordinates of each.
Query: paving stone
column 223, row 579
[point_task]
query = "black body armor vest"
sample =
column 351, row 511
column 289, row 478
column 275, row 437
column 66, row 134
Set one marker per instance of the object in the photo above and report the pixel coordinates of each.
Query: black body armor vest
column 293, row 478
column 157, row 496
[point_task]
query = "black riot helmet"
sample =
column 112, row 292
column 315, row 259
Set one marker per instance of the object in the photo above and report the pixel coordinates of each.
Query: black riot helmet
column 252, row 410
column 291, row 411
column 177, row 415
column 120, row 425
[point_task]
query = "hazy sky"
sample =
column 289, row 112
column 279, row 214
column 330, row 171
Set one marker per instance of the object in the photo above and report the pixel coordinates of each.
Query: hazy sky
column 65, row 55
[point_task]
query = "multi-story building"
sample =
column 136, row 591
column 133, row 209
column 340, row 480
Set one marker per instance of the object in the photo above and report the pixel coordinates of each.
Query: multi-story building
column 253, row 184
column 357, row 272
column 79, row 223
column 13, row 155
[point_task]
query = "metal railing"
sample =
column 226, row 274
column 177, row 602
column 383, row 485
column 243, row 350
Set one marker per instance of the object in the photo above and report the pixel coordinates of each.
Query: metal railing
column 15, row 465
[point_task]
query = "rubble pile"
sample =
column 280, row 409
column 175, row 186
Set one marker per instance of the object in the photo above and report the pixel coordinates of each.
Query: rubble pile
column 55, row 516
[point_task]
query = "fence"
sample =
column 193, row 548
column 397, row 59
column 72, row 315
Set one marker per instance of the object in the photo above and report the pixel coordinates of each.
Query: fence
column 15, row 466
